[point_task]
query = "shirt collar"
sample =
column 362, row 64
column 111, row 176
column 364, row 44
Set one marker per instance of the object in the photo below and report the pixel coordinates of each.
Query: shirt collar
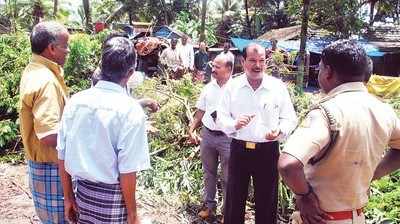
column 110, row 86
column 349, row 86
column 54, row 67
column 214, row 82
column 264, row 84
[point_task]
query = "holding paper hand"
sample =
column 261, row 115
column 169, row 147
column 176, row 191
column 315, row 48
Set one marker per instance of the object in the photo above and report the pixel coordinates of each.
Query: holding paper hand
column 243, row 120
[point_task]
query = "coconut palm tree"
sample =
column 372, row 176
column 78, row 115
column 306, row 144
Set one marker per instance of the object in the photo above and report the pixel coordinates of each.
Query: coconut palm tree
column 303, row 40
column 203, row 20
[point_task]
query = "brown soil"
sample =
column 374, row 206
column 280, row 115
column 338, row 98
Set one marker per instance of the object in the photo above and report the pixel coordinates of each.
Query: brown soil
column 16, row 205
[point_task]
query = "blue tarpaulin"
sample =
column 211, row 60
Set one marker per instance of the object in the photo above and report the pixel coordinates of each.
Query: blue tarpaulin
column 167, row 32
column 313, row 45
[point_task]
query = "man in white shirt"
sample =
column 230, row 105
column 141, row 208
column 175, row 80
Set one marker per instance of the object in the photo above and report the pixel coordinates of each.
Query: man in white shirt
column 102, row 143
column 214, row 143
column 256, row 111
column 228, row 53
column 186, row 53
column 171, row 58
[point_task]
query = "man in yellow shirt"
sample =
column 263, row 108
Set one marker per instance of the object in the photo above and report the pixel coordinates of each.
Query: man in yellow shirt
column 42, row 98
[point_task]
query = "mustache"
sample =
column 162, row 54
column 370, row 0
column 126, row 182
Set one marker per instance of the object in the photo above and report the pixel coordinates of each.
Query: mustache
column 256, row 69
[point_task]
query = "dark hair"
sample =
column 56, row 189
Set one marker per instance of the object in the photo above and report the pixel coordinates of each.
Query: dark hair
column 45, row 33
column 229, row 64
column 96, row 76
column 347, row 59
column 117, row 58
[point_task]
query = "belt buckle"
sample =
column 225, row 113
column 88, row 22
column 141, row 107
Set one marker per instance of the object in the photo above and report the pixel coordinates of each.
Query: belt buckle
column 250, row 145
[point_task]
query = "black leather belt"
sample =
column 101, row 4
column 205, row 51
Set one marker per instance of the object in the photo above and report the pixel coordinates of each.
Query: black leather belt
column 252, row 145
column 214, row 132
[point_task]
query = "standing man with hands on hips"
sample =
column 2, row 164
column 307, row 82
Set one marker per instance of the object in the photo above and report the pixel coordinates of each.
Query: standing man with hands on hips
column 256, row 111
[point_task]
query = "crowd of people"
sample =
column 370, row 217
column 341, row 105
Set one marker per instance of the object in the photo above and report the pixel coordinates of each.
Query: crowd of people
column 84, row 151
column 179, row 59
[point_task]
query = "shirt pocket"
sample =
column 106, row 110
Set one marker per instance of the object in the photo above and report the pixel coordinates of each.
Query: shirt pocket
column 269, row 111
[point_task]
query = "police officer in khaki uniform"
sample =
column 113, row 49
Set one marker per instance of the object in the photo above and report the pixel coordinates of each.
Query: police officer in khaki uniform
column 330, row 160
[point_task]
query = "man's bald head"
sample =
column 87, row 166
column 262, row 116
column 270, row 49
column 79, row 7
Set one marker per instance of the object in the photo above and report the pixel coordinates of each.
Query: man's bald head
column 253, row 47
column 221, row 67
column 225, row 60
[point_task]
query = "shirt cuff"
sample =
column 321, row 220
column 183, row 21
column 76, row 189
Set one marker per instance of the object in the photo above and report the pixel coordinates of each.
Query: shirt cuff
column 229, row 128
column 45, row 134
column 60, row 153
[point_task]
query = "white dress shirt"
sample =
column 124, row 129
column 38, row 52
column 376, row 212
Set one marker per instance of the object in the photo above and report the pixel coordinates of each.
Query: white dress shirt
column 270, row 103
column 186, row 53
column 208, row 102
column 102, row 134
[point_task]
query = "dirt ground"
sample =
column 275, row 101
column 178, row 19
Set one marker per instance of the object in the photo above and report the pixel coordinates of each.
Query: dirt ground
column 16, row 205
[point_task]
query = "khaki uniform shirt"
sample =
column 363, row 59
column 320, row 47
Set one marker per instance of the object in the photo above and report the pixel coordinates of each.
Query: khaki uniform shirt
column 43, row 94
column 366, row 126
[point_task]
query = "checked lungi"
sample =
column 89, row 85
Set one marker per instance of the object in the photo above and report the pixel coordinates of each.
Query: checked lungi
column 47, row 192
column 100, row 203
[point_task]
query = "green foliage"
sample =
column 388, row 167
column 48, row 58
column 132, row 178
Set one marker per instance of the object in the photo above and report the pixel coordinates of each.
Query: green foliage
column 176, row 164
column 301, row 101
column 8, row 132
column 15, row 54
column 341, row 17
column 384, row 204
column 22, row 13
column 192, row 26
column 85, row 52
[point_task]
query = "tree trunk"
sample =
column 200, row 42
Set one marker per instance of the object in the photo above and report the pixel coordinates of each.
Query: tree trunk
column 246, row 6
column 371, row 12
column 55, row 8
column 397, row 11
column 88, row 17
column 303, row 41
column 116, row 14
column 166, row 13
column 203, row 20
column 130, row 15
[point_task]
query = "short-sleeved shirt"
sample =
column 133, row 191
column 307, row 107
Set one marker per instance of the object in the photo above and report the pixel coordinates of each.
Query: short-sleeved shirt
column 171, row 58
column 208, row 102
column 43, row 94
column 186, row 53
column 102, row 134
column 366, row 126
column 270, row 104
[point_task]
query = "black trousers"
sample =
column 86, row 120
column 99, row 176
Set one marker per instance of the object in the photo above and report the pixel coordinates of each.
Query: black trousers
column 260, row 164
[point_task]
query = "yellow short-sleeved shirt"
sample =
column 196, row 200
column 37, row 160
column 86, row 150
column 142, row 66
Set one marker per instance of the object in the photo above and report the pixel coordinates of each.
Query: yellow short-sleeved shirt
column 43, row 94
